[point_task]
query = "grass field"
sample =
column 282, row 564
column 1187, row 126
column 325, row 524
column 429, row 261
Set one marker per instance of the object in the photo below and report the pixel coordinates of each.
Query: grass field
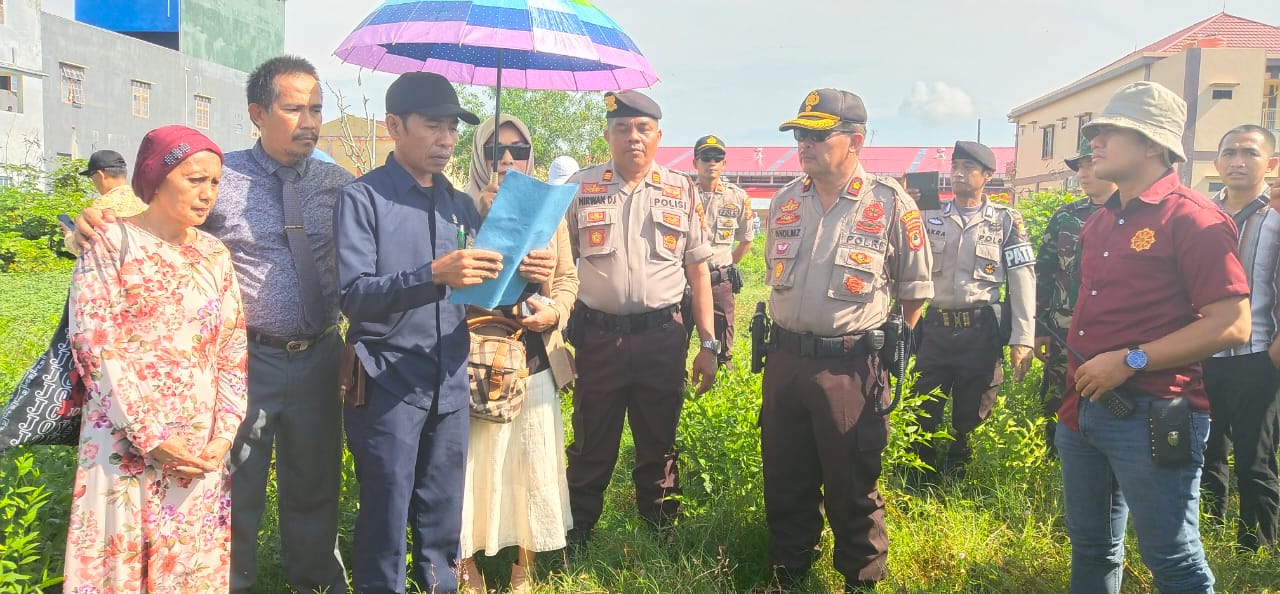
column 999, row 530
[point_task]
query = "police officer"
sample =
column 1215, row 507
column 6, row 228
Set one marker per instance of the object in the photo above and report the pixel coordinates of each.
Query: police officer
column 842, row 244
column 978, row 246
column 1058, row 280
column 729, row 219
column 640, row 239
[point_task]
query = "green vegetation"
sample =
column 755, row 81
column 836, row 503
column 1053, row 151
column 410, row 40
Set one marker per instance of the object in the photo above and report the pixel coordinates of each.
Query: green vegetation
column 999, row 530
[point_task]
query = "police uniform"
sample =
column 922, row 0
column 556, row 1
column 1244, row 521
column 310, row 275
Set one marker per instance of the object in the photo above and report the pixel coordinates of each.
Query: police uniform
column 730, row 220
column 961, row 351
column 633, row 248
column 832, row 274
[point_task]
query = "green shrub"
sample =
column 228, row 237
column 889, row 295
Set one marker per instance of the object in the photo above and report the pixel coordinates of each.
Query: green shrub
column 30, row 238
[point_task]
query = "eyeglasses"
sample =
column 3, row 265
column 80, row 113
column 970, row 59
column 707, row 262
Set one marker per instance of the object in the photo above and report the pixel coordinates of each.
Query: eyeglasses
column 711, row 158
column 519, row 152
column 802, row 135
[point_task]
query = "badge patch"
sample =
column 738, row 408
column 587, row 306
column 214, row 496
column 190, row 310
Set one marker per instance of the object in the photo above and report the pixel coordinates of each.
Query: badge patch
column 855, row 187
column 1019, row 255
column 859, row 257
column 808, row 183
column 596, row 237
column 1143, row 240
column 702, row 214
column 728, row 211
column 607, row 177
column 781, row 248
column 778, row 267
column 866, row 226
column 989, row 268
column 853, row 284
column 669, row 241
column 791, row 205
column 935, row 221
column 672, row 219
column 610, row 103
column 787, row 219
column 671, row 191
column 597, row 216
column 914, row 229
column 725, row 234
column 873, row 212
column 656, row 178
column 592, row 188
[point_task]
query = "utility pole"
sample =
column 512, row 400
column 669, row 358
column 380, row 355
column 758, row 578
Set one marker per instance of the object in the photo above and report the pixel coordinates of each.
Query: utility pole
column 979, row 130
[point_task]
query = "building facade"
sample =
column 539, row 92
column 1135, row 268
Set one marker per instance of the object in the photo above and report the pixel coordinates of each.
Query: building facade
column 21, row 85
column 1227, row 69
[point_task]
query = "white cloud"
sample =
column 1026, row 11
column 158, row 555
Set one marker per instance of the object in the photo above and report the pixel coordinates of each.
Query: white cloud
column 937, row 103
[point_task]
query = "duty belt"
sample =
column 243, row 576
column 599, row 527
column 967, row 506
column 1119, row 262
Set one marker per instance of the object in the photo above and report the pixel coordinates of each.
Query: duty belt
column 292, row 345
column 719, row 274
column 806, row 344
column 961, row 318
column 629, row 324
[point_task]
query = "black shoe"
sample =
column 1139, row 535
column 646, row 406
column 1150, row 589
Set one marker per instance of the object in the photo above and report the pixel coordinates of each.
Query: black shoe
column 577, row 540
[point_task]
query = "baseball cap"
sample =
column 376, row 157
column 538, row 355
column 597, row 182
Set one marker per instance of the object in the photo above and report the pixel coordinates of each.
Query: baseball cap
column 427, row 94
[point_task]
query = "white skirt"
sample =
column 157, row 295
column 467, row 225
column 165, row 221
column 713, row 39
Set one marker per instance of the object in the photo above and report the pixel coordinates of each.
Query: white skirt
column 516, row 490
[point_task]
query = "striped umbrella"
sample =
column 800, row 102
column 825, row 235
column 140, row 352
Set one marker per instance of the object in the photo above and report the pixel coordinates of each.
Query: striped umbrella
column 563, row 45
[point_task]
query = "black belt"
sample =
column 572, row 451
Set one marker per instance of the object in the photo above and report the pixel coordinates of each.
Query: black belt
column 961, row 318
column 629, row 324
column 806, row 344
column 719, row 275
column 292, row 345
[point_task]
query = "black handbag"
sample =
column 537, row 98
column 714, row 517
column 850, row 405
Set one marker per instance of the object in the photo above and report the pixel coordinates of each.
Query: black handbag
column 44, row 408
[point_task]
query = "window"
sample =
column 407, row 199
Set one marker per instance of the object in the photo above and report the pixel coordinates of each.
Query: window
column 1083, row 119
column 1222, row 94
column 204, row 110
column 5, row 181
column 72, row 84
column 1046, row 143
column 141, row 99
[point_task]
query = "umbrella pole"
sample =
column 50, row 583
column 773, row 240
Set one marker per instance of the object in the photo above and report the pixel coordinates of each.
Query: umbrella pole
column 497, row 113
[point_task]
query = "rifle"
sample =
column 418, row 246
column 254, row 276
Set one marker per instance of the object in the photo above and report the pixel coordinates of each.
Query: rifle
column 1116, row 403
column 759, row 337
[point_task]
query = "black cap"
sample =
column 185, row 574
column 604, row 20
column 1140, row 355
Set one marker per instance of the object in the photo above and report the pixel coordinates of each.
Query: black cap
column 630, row 104
column 1086, row 150
column 104, row 160
column 978, row 153
column 824, row 109
column 427, row 94
column 710, row 143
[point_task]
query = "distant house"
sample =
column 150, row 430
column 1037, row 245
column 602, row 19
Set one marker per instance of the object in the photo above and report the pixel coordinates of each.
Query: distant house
column 367, row 137
column 1226, row 67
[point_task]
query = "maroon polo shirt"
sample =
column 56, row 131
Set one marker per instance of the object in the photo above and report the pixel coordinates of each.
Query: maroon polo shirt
column 1146, row 270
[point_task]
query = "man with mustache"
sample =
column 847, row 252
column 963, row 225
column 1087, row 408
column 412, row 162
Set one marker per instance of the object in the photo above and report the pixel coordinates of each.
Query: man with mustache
column 1242, row 381
column 275, row 214
column 844, row 249
column 979, row 247
column 640, row 237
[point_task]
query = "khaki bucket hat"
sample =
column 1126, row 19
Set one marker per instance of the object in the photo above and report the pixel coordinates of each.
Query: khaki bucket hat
column 1148, row 108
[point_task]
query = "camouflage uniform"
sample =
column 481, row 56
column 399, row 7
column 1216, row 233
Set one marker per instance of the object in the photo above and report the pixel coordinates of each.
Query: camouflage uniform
column 1057, row 281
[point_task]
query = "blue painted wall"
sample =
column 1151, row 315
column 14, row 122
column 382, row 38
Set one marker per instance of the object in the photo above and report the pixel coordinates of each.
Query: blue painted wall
column 154, row 16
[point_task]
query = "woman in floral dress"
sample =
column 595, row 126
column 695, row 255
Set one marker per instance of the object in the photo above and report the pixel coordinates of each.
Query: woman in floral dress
column 157, row 331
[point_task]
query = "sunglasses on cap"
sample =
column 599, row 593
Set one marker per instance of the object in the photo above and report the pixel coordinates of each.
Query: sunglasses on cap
column 802, row 135
column 519, row 152
column 711, row 158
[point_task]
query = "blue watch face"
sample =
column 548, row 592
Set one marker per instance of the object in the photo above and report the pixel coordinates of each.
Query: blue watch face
column 1136, row 359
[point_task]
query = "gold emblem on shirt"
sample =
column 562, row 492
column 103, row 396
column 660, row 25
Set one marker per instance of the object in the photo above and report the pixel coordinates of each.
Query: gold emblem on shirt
column 1143, row 240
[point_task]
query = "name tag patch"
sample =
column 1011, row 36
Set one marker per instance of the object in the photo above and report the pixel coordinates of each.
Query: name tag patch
column 1019, row 255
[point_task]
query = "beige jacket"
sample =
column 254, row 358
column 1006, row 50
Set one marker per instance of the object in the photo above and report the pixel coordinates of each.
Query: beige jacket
column 563, row 289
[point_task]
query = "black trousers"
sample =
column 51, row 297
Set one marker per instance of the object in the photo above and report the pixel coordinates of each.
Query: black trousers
column 1246, row 418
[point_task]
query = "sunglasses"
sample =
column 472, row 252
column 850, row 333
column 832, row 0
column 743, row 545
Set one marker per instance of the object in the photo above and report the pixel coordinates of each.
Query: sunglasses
column 802, row 135
column 711, row 158
column 519, row 152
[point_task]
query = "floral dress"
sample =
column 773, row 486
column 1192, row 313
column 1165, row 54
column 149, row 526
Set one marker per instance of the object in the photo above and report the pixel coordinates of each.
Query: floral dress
column 158, row 332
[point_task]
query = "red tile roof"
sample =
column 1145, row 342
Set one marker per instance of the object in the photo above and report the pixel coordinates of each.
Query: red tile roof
column 891, row 160
column 1234, row 31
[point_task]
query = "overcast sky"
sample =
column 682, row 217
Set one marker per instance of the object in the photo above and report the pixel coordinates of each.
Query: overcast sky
column 927, row 69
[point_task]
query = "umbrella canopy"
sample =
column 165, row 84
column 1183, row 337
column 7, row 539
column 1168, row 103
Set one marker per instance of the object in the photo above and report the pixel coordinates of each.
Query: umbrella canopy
column 563, row 45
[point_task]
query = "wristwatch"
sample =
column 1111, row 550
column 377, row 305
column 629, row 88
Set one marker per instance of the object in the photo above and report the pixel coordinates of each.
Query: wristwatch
column 1136, row 359
column 712, row 345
